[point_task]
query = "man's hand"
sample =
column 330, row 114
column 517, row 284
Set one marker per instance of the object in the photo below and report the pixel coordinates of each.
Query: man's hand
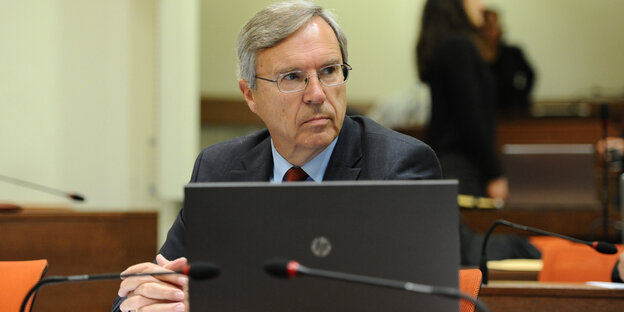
column 498, row 188
column 155, row 293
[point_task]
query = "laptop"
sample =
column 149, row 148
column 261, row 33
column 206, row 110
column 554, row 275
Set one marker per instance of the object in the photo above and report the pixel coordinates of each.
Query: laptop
column 404, row 230
column 551, row 175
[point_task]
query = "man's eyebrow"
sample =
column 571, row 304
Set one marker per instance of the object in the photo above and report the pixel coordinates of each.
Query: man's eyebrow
column 287, row 70
column 294, row 68
column 331, row 62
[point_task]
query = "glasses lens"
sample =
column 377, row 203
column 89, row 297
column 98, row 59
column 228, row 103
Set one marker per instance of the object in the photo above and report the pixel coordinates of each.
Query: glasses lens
column 333, row 75
column 292, row 81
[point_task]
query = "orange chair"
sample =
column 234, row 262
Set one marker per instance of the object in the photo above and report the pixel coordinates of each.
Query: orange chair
column 16, row 279
column 564, row 261
column 469, row 283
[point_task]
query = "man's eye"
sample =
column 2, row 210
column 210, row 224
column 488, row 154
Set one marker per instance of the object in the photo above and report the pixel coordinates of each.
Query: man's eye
column 328, row 70
column 292, row 76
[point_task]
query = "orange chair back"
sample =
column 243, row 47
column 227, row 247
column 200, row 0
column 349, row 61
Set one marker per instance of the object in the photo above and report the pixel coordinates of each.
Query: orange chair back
column 469, row 283
column 573, row 262
column 16, row 279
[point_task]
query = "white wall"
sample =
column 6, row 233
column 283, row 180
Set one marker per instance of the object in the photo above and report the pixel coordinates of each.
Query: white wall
column 575, row 45
column 78, row 100
column 30, row 96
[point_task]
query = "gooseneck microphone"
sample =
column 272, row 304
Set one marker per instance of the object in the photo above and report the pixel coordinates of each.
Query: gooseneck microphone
column 599, row 246
column 196, row 271
column 285, row 268
column 45, row 189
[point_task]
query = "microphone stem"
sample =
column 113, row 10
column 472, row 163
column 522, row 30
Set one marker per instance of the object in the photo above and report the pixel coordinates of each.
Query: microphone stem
column 483, row 264
column 368, row 280
column 542, row 232
column 85, row 277
column 35, row 186
column 388, row 283
column 49, row 280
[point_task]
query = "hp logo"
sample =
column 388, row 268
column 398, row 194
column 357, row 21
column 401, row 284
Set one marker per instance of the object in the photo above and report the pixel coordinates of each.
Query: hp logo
column 320, row 247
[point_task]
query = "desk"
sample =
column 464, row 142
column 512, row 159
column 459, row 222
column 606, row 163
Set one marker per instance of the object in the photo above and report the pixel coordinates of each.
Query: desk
column 510, row 296
column 78, row 243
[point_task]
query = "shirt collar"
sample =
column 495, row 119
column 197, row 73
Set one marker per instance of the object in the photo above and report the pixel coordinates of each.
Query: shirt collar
column 315, row 168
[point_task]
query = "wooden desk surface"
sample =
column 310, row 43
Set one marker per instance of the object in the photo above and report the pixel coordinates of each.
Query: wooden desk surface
column 511, row 296
column 78, row 243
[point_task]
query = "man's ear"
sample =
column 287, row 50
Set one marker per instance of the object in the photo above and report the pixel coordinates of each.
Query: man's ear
column 243, row 85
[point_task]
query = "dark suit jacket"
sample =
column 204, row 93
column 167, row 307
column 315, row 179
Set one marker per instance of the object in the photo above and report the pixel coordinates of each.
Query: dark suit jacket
column 365, row 151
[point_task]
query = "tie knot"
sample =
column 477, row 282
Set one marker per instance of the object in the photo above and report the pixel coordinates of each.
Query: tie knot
column 295, row 174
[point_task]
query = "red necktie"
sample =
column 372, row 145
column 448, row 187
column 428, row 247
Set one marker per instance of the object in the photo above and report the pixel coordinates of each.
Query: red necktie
column 295, row 174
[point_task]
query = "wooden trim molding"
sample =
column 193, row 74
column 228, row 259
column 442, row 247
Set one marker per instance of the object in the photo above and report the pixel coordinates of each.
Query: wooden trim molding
column 223, row 111
column 227, row 111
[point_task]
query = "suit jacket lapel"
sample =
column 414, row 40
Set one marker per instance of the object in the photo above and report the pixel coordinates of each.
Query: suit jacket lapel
column 257, row 164
column 344, row 162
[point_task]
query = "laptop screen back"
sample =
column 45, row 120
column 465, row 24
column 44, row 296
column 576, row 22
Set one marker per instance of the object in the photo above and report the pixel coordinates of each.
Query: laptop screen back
column 551, row 175
column 404, row 230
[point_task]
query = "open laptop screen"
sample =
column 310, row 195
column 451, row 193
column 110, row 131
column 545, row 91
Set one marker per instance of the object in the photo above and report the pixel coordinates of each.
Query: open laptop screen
column 405, row 230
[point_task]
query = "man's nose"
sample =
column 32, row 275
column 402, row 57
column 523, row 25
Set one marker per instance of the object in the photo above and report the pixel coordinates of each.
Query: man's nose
column 314, row 93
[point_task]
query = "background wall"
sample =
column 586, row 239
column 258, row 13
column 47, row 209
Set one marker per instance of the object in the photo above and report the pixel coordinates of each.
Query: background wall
column 99, row 97
column 574, row 45
column 77, row 96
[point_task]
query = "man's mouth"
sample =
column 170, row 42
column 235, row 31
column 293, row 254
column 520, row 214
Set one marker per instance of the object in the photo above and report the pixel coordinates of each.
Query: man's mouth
column 317, row 120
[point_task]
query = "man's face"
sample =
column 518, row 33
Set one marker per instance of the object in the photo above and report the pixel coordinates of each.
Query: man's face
column 303, row 123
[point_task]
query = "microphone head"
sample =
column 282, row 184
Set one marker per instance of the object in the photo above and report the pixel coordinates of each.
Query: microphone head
column 280, row 267
column 202, row 270
column 76, row 197
column 604, row 247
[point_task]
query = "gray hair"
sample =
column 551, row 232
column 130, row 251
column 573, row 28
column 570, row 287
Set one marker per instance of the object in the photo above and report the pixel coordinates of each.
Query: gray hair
column 272, row 25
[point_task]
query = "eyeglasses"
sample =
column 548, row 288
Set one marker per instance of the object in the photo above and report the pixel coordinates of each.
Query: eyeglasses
column 295, row 81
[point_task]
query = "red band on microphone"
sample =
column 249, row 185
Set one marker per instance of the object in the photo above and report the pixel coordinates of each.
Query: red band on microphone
column 292, row 267
column 186, row 270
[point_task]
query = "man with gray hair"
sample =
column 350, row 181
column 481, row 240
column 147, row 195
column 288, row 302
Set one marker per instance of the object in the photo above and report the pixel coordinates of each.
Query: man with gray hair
column 293, row 68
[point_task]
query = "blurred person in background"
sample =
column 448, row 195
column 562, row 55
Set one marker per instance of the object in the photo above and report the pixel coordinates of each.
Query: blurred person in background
column 462, row 129
column 513, row 74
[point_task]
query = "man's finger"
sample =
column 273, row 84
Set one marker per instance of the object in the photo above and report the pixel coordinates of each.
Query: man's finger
column 139, row 268
column 134, row 302
column 160, row 291
column 175, row 265
column 161, row 260
column 131, row 283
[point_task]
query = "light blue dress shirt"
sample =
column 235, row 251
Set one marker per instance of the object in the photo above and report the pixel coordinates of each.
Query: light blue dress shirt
column 315, row 168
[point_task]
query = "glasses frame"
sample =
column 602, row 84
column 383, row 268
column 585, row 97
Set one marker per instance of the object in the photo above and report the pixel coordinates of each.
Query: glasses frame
column 307, row 79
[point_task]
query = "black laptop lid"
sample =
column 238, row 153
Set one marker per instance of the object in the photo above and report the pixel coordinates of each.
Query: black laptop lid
column 405, row 230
